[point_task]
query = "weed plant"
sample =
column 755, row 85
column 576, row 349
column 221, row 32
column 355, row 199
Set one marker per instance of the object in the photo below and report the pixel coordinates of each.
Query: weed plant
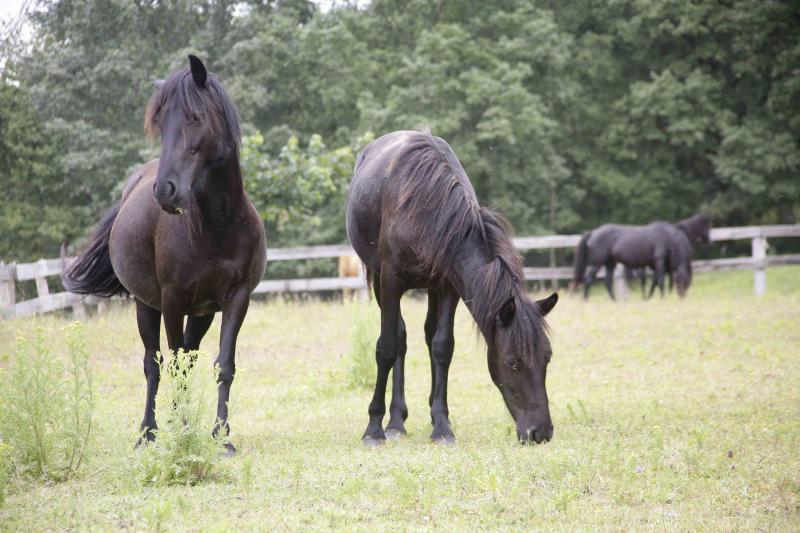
column 48, row 405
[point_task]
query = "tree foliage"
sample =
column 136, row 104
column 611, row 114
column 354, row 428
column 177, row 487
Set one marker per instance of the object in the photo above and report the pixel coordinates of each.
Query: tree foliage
column 565, row 115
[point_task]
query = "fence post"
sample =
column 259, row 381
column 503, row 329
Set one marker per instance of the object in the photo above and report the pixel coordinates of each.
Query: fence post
column 759, row 257
column 8, row 289
column 620, row 285
column 79, row 310
column 41, row 280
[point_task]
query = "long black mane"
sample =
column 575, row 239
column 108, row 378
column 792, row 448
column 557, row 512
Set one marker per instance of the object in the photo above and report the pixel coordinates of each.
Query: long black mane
column 436, row 198
column 181, row 92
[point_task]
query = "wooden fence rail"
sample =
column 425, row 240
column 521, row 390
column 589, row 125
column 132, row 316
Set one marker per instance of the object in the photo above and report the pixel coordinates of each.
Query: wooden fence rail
column 39, row 271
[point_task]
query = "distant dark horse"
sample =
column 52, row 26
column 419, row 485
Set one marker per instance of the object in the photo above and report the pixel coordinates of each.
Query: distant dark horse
column 184, row 240
column 658, row 245
column 414, row 220
column 697, row 230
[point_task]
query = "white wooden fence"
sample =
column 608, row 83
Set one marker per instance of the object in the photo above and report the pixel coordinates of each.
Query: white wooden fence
column 44, row 302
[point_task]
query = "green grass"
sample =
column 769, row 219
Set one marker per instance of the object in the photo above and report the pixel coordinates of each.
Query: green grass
column 668, row 414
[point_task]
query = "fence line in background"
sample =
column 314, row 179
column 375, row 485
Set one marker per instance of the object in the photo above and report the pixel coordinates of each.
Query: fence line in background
column 39, row 271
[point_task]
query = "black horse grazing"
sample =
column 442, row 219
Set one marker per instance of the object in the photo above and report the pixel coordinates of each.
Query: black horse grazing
column 659, row 246
column 184, row 240
column 414, row 220
column 697, row 230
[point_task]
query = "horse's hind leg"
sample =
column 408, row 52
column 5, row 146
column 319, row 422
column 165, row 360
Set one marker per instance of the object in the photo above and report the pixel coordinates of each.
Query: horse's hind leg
column 386, row 350
column 589, row 279
column 430, row 331
column 398, row 410
column 149, row 323
column 442, row 346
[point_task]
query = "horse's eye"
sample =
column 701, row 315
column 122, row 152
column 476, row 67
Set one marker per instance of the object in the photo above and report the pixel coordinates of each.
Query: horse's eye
column 510, row 361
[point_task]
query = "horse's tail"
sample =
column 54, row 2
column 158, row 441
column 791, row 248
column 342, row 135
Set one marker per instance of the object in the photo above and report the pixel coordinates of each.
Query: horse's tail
column 580, row 260
column 91, row 272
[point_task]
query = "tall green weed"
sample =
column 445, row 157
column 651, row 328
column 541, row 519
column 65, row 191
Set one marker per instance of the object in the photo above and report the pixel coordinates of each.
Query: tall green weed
column 184, row 452
column 361, row 358
column 48, row 404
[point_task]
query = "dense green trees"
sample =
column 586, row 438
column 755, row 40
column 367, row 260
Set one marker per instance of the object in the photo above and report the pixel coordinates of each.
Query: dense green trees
column 565, row 114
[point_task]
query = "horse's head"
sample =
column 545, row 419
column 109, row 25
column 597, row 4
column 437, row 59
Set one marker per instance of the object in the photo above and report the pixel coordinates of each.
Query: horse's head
column 703, row 228
column 697, row 228
column 199, row 132
column 519, row 352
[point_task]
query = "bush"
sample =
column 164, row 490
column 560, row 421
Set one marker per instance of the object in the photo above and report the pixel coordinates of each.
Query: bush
column 47, row 407
column 364, row 332
column 184, row 452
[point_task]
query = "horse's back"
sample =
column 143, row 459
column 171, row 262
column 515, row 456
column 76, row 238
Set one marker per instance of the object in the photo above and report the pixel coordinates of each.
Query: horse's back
column 372, row 170
column 639, row 246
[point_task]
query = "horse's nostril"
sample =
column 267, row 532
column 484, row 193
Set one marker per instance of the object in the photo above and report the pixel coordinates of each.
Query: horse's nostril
column 171, row 189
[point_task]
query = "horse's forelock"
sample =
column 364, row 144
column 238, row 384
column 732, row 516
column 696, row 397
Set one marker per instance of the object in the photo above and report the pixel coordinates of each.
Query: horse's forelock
column 180, row 93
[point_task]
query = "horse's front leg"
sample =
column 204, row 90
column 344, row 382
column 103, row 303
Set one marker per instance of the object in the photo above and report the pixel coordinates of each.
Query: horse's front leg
column 442, row 346
column 174, row 311
column 386, row 350
column 609, row 279
column 149, row 322
column 233, row 313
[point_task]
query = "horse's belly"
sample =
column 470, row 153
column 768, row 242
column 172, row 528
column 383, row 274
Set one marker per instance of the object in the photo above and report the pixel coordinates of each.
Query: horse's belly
column 132, row 255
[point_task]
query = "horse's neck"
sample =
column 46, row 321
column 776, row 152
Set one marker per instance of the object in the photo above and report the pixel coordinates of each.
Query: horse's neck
column 468, row 271
column 222, row 197
column 687, row 230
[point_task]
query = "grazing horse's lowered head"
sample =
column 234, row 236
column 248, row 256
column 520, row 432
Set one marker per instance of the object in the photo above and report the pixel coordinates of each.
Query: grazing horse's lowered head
column 518, row 364
column 200, row 136
column 515, row 331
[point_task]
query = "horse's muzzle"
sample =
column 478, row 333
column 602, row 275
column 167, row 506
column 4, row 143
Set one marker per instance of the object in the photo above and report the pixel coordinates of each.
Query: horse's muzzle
column 535, row 434
column 166, row 194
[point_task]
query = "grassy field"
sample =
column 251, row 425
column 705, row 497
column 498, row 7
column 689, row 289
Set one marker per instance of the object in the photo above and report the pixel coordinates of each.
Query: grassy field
column 668, row 414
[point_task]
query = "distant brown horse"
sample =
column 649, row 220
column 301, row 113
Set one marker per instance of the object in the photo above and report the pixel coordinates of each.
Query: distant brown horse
column 184, row 240
column 414, row 220
column 349, row 267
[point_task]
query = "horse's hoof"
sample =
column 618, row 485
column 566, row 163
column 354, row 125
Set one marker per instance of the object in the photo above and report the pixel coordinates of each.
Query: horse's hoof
column 372, row 442
column 395, row 433
column 228, row 450
column 144, row 438
column 443, row 436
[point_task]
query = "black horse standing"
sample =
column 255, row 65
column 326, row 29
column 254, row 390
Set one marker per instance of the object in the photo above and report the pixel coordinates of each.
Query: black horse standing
column 184, row 240
column 661, row 246
column 414, row 220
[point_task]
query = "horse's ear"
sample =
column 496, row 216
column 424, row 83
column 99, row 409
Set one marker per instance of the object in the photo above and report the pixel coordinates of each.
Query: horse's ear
column 507, row 312
column 199, row 72
column 158, row 84
column 547, row 304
